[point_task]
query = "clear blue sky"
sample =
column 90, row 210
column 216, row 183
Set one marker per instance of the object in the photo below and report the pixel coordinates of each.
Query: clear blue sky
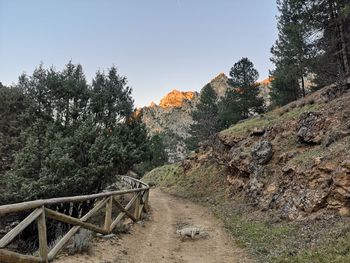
column 159, row 45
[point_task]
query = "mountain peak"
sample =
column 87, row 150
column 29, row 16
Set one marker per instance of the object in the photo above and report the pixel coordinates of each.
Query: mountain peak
column 220, row 84
column 176, row 98
column 220, row 76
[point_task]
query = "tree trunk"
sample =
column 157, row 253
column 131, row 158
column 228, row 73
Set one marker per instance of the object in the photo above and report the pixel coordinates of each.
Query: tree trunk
column 341, row 51
column 303, row 86
column 344, row 49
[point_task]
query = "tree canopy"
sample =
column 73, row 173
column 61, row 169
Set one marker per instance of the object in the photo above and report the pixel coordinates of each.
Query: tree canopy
column 242, row 99
column 70, row 137
column 313, row 41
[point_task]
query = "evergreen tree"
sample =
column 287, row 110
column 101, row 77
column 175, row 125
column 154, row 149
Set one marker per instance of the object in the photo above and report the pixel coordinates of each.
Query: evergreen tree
column 242, row 100
column 330, row 19
column 285, row 86
column 158, row 155
column 292, row 52
column 76, row 138
column 312, row 39
column 12, row 107
column 111, row 100
column 205, row 117
column 230, row 111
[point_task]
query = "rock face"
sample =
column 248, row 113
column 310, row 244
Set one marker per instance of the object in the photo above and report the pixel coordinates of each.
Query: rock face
column 173, row 114
column 262, row 152
column 173, row 122
column 295, row 164
column 220, row 84
column 310, row 127
column 175, row 99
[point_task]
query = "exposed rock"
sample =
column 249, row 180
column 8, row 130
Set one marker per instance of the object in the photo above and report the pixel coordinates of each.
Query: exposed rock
column 173, row 116
column 333, row 91
column 346, row 164
column 220, row 84
column 310, row 127
column 257, row 132
column 262, row 152
column 177, row 98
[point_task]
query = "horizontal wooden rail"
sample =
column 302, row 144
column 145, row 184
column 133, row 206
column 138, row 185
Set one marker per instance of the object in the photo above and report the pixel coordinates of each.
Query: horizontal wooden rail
column 139, row 203
column 18, row 207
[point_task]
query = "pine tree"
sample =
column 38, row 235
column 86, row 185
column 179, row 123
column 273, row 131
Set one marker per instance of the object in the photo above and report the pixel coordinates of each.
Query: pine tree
column 292, row 51
column 331, row 18
column 12, row 107
column 242, row 100
column 230, row 109
column 111, row 99
column 312, row 39
column 205, row 117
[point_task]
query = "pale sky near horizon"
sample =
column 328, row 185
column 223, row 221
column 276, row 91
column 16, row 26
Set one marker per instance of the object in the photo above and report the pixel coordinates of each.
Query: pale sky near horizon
column 159, row 45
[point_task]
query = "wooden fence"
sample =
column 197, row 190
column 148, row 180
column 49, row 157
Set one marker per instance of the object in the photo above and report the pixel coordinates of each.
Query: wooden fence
column 137, row 204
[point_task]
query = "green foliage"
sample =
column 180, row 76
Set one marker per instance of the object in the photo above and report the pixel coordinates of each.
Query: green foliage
column 158, row 155
column 242, row 100
column 206, row 121
column 291, row 52
column 269, row 119
column 76, row 137
column 111, row 99
column 12, row 107
column 166, row 175
column 244, row 82
column 312, row 39
column 284, row 87
column 230, row 110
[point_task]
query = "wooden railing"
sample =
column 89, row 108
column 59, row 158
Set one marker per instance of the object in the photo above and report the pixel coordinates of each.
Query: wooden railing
column 134, row 208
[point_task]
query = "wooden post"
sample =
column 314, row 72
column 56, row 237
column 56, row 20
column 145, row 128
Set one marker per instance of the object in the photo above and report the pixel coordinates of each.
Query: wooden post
column 137, row 207
column 146, row 197
column 108, row 216
column 43, row 250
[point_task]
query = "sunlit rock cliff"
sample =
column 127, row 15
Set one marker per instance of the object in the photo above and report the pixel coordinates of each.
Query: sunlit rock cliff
column 172, row 117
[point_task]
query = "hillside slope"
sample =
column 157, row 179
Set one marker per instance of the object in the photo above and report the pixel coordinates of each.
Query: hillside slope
column 280, row 182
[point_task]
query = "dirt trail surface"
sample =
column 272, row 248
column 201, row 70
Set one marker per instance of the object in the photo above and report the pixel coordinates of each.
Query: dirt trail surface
column 156, row 240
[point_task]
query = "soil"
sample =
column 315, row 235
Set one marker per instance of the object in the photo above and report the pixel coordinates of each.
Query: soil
column 155, row 240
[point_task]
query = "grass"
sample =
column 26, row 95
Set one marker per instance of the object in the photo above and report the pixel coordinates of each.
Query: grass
column 337, row 251
column 307, row 157
column 270, row 119
column 164, row 176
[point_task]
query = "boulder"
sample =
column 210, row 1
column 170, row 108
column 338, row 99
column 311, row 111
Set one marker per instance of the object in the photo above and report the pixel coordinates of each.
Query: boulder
column 262, row 152
column 310, row 126
column 257, row 132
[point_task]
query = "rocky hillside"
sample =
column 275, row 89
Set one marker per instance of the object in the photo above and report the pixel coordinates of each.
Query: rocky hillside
column 173, row 115
column 294, row 159
column 281, row 181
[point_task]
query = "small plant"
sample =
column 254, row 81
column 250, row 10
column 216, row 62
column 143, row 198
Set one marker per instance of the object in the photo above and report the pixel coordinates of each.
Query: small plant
column 81, row 242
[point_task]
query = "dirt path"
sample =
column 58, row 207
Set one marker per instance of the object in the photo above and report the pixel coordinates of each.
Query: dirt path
column 157, row 241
